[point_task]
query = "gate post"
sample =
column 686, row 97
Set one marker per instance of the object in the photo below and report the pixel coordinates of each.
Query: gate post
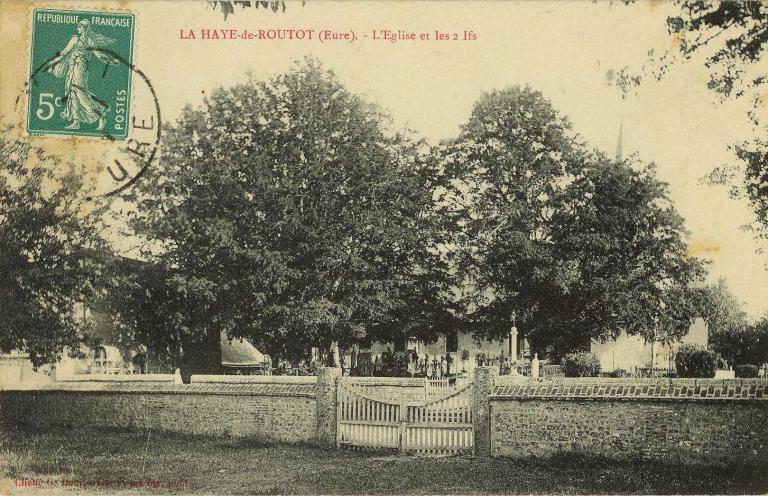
column 325, row 395
column 485, row 378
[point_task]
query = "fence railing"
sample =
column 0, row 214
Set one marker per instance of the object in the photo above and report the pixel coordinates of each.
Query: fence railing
column 552, row 371
column 439, row 387
column 439, row 383
column 544, row 370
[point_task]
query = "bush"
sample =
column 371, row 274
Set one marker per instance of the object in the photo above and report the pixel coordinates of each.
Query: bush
column 618, row 373
column 746, row 371
column 692, row 361
column 581, row 364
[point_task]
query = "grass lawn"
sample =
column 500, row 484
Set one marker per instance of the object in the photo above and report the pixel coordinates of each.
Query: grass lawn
column 206, row 465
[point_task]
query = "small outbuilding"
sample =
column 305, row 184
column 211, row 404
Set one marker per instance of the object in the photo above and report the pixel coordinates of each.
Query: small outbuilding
column 239, row 356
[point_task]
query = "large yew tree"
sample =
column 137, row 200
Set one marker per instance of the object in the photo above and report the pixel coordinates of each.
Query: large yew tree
column 565, row 243
column 505, row 176
column 621, row 254
column 288, row 212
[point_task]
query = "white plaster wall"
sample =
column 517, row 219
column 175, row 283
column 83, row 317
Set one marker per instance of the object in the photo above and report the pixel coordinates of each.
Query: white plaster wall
column 625, row 352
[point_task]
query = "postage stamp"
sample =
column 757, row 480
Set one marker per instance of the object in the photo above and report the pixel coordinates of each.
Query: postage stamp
column 80, row 73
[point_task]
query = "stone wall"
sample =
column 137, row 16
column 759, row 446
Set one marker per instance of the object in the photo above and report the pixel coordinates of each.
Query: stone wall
column 281, row 412
column 703, row 421
column 116, row 379
column 680, row 420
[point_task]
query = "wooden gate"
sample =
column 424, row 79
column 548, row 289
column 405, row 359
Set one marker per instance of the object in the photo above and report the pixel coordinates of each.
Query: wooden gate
column 438, row 426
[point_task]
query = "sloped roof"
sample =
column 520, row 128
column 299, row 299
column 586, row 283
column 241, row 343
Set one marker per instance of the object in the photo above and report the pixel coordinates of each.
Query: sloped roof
column 240, row 353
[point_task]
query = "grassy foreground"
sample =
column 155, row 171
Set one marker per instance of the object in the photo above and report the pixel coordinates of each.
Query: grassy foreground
column 114, row 462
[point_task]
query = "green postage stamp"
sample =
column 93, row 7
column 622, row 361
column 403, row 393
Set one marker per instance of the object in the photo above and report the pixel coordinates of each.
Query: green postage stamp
column 80, row 73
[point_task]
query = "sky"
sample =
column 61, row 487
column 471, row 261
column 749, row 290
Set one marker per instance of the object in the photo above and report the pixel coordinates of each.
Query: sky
column 562, row 49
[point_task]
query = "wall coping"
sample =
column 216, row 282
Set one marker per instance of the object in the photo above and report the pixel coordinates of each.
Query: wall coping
column 636, row 380
column 253, row 379
column 634, row 389
column 114, row 378
column 289, row 390
column 386, row 381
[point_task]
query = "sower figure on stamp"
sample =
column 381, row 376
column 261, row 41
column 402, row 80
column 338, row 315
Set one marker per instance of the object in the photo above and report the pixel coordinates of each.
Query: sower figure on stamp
column 73, row 65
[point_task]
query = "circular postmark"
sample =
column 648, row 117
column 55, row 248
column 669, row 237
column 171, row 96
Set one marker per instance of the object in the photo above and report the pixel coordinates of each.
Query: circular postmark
column 98, row 97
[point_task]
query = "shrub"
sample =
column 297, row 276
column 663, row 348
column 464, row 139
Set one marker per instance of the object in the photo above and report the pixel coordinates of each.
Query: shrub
column 746, row 371
column 692, row 361
column 581, row 364
column 618, row 373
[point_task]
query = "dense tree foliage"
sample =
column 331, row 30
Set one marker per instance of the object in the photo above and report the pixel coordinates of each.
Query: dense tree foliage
column 149, row 306
column 51, row 255
column 723, row 312
column 730, row 35
column 623, row 249
column 287, row 212
column 572, row 245
column 746, row 345
column 731, row 334
column 504, row 178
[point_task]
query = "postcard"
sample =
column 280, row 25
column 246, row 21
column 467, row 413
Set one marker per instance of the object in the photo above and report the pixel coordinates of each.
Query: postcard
column 377, row 247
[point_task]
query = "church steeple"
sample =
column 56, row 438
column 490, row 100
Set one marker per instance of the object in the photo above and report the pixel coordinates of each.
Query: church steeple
column 620, row 144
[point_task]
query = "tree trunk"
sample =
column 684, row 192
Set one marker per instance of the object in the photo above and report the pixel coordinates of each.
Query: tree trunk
column 334, row 357
column 202, row 357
